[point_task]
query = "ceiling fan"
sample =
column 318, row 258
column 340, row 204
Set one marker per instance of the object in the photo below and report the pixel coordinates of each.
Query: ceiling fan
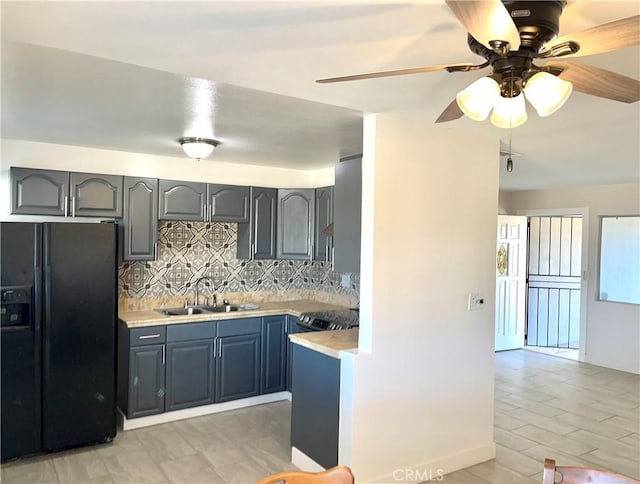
column 510, row 35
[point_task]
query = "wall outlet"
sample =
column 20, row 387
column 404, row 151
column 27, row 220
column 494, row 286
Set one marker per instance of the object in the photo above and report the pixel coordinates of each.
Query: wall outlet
column 475, row 301
column 346, row 280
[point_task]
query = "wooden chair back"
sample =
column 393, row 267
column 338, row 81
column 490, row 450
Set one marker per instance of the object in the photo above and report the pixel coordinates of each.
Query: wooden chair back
column 581, row 475
column 335, row 475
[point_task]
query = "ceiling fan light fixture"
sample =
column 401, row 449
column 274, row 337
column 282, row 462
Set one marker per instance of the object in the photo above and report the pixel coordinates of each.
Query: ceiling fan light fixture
column 477, row 100
column 509, row 112
column 547, row 93
column 198, row 148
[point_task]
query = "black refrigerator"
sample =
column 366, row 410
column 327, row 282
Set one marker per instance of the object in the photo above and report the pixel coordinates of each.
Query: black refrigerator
column 58, row 306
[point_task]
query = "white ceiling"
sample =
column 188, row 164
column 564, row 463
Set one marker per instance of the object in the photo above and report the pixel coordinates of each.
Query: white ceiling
column 282, row 47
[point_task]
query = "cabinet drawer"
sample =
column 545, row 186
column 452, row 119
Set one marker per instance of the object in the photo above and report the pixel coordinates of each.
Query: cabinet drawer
column 237, row 327
column 147, row 336
column 191, row 331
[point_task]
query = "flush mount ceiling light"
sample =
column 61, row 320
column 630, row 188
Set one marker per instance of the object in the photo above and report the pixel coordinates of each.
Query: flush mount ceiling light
column 198, row 148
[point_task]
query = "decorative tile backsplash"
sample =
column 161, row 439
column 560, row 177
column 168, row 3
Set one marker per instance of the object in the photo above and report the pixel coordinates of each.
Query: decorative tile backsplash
column 190, row 250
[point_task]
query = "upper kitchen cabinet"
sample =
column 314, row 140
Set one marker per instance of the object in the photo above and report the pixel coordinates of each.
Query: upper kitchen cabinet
column 228, row 203
column 257, row 239
column 181, row 200
column 347, row 215
column 295, row 223
column 96, row 195
column 140, row 220
column 48, row 192
column 39, row 192
column 322, row 242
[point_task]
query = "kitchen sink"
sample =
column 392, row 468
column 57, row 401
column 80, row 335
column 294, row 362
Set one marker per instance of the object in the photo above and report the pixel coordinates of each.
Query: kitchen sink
column 181, row 311
column 196, row 310
column 220, row 309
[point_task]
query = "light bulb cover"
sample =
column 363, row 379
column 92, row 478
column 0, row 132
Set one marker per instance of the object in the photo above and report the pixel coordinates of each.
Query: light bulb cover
column 198, row 148
column 477, row 100
column 509, row 112
column 547, row 93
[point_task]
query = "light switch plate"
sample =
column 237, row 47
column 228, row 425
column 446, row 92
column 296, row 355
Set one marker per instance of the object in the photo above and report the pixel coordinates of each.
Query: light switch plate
column 475, row 301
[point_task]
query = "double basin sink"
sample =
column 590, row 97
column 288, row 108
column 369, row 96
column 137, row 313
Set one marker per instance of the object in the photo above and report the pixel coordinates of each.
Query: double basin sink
column 198, row 310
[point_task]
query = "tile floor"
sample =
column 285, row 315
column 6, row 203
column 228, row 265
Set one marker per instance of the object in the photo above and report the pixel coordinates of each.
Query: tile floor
column 545, row 407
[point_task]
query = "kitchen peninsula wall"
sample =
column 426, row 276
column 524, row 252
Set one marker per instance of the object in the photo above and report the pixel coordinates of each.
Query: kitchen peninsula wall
column 190, row 250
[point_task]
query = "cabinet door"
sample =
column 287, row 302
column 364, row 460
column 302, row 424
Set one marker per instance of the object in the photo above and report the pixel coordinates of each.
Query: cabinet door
column 238, row 367
column 323, row 219
column 257, row 239
column 291, row 328
column 96, row 195
column 190, row 374
column 228, row 203
column 273, row 354
column 39, row 192
column 295, row 223
column 316, row 393
column 140, row 219
column 347, row 216
column 146, row 380
column 181, row 200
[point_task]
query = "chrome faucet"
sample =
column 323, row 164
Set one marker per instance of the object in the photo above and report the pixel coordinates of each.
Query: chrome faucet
column 213, row 289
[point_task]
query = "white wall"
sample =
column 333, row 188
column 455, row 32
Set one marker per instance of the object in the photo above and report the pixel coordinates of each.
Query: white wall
column 76, row 158
column 612, row 333
column 422, row 396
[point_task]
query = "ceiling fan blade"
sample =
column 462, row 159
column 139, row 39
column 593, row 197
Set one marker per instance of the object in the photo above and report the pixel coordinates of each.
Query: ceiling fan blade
column 486, row 21
column 603, row 38
column 398, row 72
column 598, row 82
column 451, row 113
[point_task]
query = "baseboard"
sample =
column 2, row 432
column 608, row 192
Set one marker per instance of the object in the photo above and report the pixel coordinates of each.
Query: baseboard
column 136, row 423
column 435, row 469
column 303, row 462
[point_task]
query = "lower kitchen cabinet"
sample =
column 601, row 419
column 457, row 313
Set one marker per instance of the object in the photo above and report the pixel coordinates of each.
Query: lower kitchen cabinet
column 146, row 380
column 190, row 374
column 274, row 353
column 178, row 366
column 290, row 328
column 238, row 372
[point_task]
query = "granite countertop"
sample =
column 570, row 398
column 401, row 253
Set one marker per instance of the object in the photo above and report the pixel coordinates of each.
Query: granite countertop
column 136, row 319
column 330, row 343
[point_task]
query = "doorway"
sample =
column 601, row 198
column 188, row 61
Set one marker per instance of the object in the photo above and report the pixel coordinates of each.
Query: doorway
column 554, row 284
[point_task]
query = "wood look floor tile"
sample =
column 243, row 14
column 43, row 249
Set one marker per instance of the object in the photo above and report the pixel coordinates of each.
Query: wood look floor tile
column 190, row 469
column 134, row 466
column 79, row 466
column 38, row 469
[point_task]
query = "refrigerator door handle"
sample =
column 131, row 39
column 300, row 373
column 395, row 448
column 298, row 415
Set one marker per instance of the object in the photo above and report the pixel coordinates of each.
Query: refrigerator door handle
column 36, row 294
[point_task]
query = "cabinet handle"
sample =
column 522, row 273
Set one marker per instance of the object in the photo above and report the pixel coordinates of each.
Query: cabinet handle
column 211, row 212
column 220, row 349
column 155, row 250
column 73, row 206
column 66, row 205
column 333, row 258
column 163, row 354
column 326, row 252
column 204, row 212
column 311, row 252
column 253, row 252
column 149, row 336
